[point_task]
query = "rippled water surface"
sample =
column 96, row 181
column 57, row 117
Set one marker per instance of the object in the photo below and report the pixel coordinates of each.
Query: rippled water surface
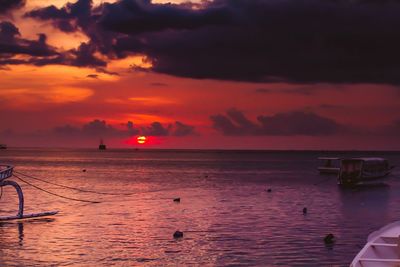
column 226, row 214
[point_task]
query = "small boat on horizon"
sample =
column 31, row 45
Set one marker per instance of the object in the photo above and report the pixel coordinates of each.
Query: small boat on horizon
column 102, row 146
column 357, row 171
column 382, row 248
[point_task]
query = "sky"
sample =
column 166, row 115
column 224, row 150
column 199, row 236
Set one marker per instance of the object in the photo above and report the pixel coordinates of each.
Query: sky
column 222, row 74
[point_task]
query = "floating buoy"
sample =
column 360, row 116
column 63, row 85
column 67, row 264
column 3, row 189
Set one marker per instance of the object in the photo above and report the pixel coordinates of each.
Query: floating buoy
column 178, row 199
column 329, row 239
column 178, row 234
column 84, row 170
column 269, row 190
column 304, row 210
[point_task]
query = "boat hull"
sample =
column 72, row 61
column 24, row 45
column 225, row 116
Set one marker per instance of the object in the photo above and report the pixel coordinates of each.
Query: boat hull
column 382, row 248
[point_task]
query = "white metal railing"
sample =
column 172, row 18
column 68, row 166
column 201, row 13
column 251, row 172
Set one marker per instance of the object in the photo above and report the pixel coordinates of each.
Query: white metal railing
column 6, row 171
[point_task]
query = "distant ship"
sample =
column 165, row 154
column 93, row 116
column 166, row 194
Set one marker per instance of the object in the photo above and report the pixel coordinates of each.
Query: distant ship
column 102, row 146
column 2, row 146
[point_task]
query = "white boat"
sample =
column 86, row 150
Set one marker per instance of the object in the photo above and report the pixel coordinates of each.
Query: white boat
column 330, row 165
column 355, row 171
column 382, row 248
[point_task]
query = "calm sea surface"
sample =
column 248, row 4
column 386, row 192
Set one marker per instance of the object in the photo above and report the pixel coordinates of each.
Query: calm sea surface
column 226, row 214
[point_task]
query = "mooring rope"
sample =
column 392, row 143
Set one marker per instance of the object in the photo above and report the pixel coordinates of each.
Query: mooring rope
column 54, row 194
column 72, row 188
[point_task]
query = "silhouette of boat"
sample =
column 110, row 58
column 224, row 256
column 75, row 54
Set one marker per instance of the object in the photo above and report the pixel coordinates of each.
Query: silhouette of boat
column 102, row 146
column 356, row 171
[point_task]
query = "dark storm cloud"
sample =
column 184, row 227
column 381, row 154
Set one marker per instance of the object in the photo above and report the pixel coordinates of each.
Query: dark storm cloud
column 40, row 53
column 8, row 5
column 235, row 123
column 69, row 18
column 12, row 44
column 299, row 41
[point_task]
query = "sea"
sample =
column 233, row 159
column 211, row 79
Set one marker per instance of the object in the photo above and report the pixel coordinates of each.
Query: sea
column 226, row 213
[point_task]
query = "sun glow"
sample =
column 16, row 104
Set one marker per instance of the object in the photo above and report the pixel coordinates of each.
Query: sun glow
column 141, row 140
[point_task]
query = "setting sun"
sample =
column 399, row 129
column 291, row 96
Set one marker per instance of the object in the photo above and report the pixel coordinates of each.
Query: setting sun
column 141, row 140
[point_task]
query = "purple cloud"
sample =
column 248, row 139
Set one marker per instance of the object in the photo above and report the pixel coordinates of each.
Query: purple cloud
column 234, row 123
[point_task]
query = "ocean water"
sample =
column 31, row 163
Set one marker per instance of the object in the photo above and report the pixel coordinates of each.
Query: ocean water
column 226, row 214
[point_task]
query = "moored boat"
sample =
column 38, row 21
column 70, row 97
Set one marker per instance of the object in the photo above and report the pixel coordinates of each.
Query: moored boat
column 355, row 171
column 6, row 172
column 330, row 165
column 382, row 248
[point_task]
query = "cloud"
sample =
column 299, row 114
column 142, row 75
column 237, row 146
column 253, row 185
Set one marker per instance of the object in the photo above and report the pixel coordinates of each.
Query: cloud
column 176, row 129
column 298, row 91
column 100, row 129
column 234, row 123
column 182, row 129
column 158, row 84
column 96, row 129
column 8, row 5
column 70, row 18
column 93, row 76
column 298, row 41
column 12, row 44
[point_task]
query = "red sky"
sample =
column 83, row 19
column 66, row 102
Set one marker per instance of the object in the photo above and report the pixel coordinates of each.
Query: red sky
column 36, row 99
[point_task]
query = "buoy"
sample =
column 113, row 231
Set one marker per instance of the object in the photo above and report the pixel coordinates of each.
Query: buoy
column 304, row 210
column 329, row 239
column 84, row 170
column 269, row 190
column 178, row 199
column 178, row 234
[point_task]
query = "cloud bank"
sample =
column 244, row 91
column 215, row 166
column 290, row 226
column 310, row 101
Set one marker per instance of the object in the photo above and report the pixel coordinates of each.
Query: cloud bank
column 298, row 41
column 235, row 123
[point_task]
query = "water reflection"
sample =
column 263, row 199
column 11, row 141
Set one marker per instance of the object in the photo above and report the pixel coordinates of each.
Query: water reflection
column 225, row 212
column 365, row 201
column 20, row 233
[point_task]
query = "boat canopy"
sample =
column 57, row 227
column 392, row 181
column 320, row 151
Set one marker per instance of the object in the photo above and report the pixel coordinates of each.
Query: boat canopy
column 328, row 158
column 377, row 160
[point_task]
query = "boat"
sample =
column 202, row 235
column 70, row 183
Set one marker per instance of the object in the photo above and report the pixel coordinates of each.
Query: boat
column 382, row 248
column 6, row 172
column 356, row 171
column 3, row 146
column 330, row 165
column 102, row 146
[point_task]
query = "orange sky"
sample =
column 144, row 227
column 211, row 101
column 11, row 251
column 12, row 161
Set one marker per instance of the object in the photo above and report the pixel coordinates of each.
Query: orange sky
column 34, row 100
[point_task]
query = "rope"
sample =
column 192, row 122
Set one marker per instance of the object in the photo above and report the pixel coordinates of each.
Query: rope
column 54, row 194
column 73, row 188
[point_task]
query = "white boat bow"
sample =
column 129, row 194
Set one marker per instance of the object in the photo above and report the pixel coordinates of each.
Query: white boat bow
column 382, row 248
